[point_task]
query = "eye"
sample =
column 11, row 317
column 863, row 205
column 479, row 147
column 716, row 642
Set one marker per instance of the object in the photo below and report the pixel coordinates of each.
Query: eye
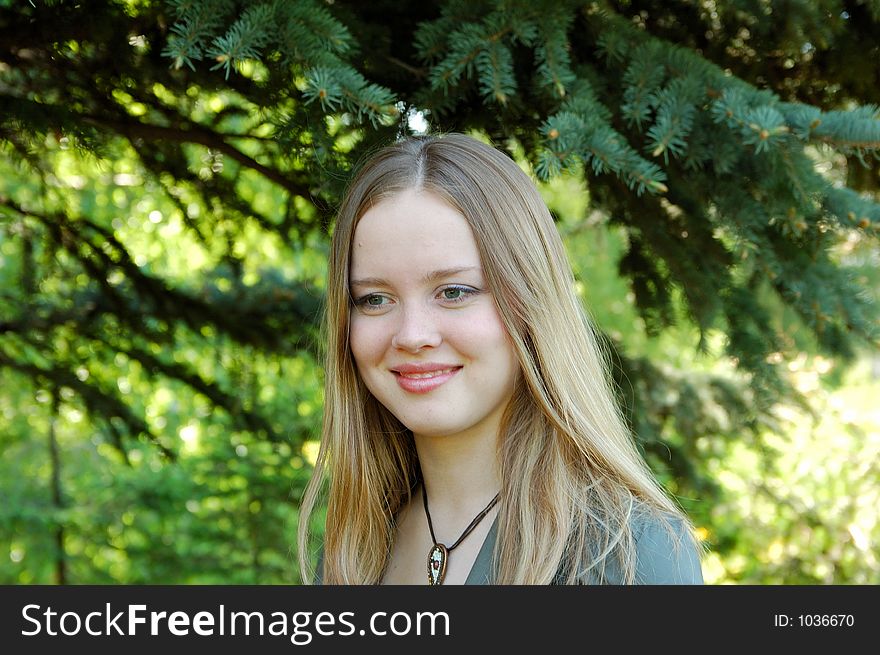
column 457, row 293
column 372, row 301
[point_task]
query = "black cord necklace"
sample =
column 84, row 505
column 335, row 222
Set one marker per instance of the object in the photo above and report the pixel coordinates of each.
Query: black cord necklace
column 439, row 554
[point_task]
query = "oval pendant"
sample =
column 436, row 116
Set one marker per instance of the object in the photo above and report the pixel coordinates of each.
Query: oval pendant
column 437, row 564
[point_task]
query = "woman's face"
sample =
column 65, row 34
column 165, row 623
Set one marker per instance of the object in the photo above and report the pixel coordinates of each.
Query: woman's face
column 425, row 332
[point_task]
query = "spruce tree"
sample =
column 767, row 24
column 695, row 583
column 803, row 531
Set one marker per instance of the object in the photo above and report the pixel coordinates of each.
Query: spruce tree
column 733, row 145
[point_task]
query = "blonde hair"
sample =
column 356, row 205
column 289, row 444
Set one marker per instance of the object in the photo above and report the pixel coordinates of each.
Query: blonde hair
column 572, row 479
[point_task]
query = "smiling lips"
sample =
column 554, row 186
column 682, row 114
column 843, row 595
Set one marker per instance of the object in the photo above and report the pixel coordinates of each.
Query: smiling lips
column 422, row 378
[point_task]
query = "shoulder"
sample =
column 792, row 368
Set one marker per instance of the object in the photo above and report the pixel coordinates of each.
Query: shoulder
column 665, row 552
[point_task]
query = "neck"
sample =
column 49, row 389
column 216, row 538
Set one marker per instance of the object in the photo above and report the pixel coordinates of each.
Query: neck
column 460, row 475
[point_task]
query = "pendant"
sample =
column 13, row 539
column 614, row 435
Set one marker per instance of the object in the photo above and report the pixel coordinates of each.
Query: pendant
column 437, row 564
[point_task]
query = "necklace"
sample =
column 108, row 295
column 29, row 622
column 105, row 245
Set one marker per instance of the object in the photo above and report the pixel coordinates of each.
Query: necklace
column 439, row 554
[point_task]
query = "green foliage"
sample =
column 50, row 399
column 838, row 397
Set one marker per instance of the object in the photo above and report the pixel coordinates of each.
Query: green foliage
column 168, row 178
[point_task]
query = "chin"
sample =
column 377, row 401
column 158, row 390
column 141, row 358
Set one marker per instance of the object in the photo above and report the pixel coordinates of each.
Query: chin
column 432, row 429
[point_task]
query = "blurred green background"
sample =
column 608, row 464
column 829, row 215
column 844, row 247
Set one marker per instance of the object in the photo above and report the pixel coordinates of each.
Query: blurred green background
column 168, row 178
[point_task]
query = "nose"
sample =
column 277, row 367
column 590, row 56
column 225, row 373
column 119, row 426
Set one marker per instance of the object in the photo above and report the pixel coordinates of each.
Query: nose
column 416, row 329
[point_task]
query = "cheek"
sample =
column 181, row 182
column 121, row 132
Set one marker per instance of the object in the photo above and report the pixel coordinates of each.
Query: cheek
column 486, row 339
column 367, row 340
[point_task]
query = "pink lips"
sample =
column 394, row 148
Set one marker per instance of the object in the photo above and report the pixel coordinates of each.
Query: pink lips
column 423, row 377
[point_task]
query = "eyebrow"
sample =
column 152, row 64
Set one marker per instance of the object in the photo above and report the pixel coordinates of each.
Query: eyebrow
column 433, row 276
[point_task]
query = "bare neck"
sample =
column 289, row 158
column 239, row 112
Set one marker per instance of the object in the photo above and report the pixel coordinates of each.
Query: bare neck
column 461, row 474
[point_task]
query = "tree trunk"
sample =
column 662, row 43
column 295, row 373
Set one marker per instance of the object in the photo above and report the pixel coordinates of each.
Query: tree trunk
column 57, row 499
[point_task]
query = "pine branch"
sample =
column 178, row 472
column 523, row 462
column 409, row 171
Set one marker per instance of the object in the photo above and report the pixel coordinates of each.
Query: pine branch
column 245, row 39
column 497, row 81
column 676, row 109
column 552, row 56
column 468, row 43
column 196, row 23
column 243, row 419
column 344, row 88
column 100, row 403
column 152, row 295
column 195, row 134
column 642, row 81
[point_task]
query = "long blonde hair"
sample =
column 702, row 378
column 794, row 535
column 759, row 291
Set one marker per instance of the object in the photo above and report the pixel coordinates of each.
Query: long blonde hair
column 572, row 478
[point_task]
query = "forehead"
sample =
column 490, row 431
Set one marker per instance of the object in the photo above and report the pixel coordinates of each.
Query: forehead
column 412, row 230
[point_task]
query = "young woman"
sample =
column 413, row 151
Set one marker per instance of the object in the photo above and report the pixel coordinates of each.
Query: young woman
column 470, row 432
